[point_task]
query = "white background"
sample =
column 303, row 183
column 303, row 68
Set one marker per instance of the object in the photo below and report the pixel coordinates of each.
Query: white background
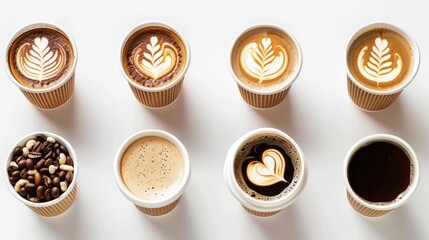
column 210, row 115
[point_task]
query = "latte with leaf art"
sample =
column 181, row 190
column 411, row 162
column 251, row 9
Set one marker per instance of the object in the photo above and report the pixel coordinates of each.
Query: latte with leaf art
column 380, row 59
column 154, row 57
column 40, row 58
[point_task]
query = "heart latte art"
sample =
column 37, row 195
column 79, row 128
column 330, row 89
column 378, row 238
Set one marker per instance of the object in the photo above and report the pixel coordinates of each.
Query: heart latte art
column 382, row 65
column 268, row 172
column 156, row 59
column 39, row 60
column 263, row 61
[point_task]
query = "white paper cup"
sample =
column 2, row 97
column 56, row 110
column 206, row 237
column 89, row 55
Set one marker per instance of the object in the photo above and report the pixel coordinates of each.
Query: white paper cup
column 365, row 207
column 156, row 97
column 65, row 200
column 52, row 97
column 369, row 99
column 265, row 99
column 255, row 206
column 153, row 207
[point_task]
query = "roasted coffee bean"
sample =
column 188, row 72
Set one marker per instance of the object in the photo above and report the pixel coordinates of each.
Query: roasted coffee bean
column 40, row 192
column 57, row 152
column 69, row 161
column 44, row 171
column 40, row 164
column 62, row 175
column 37, row 147
column 30, row 178
column 17, row 151
column 30, row 187
column 48, row 195
column 22, row 164
column 48, row 155
column 64, row 150
column 48, row 147
column 55, row 192
column 34, row 199
column 41, row 138
column 35, row 155
column 24, row 173
column 22, row 192
column 38, row 179
column 56, row 146
column 69, row 177
column 19, row 158
column 29, row 163
column 12, row 181
column 56, row 181
column 16, row 175
column 47, row 182
column 48, row 162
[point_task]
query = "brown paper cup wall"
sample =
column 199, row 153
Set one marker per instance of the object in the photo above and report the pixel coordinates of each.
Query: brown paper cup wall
column 159, row 211
column 158, row 99
column 260, row 214
column 262, row 101
column 365, row 210
column 57, row 208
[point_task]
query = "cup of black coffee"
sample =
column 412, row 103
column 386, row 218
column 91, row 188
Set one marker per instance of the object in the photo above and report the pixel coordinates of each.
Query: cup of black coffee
column 381, row 173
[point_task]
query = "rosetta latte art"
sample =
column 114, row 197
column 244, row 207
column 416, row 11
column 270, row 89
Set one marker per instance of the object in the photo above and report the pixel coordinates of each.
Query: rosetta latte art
column 268, row 172
column 380, row 66
column 263, row 61
column 37, row 61
column 156, row 60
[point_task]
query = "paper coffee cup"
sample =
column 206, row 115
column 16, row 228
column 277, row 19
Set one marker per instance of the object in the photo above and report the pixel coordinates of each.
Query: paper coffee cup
column 370, row 209
column 369, row 99
column 60, row 93
column 255, row 206
column 266, row 98
column 163, row 205
column 59, row 205
column 156, row 97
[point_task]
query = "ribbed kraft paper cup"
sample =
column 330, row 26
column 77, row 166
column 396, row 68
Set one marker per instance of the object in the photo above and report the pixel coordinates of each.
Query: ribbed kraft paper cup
column 59, row 205
column 372, row 100
column 156, row 97
column 264, row 99
column 52, row 97
column 254, row 206
column 152, row 207
column 366, row 208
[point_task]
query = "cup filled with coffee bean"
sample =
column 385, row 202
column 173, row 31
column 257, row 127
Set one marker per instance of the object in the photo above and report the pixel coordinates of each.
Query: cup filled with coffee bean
column 152, row 170
column 381, row 61
column 41, row 60
column 265, row 171
column 41, row 171
column 381, row 173
column 154, row 58
column 264, row 61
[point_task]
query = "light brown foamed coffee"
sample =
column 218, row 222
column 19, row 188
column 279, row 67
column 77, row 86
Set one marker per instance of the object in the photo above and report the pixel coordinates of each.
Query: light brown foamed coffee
column 154, row 56
column 265, row 58
column 380, row 59
column 152, row 168
column 40, row 58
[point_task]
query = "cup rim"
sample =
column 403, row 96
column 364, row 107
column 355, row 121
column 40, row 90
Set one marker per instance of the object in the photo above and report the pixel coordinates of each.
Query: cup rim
column 408, row 38
column 35, row 26
column 151, row 203
column 255, row 204
column 387, row 138
column 167, row 27
column 292, row 78
column 70, row 187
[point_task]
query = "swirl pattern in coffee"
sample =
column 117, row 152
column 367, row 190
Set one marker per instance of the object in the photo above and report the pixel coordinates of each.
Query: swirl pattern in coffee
column 267, row 167
column 40, row 58
column 154, row 57
column 380, row 59
column 264, row 58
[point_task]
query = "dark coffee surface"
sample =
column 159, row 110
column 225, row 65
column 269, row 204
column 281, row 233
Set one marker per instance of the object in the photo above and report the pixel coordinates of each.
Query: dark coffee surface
column 379, row 172
column 256, row 154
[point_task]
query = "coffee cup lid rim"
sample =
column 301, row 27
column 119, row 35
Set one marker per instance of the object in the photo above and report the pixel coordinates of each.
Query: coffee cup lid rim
column 288, row 83
column 169, row 27
column 69, row 188
column 246, row 200
column 389, row 138
column 27, row 28
column 152, row 203
column 408, row 38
